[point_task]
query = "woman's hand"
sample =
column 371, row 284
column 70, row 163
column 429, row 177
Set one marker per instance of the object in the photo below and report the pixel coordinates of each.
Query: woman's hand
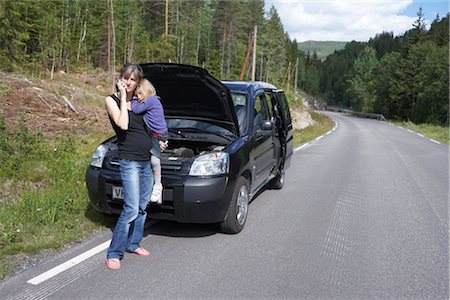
column 121, row 86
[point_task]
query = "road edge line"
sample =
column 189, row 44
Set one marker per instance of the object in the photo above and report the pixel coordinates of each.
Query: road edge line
column 68, row 264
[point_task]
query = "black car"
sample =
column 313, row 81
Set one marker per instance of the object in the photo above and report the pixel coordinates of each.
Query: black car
column 227, row 140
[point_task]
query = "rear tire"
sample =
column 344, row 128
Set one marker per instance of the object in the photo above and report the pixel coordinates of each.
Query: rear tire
column 237, row 212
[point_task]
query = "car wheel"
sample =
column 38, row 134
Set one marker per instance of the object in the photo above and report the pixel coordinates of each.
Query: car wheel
column 277, row 183
column 237, row 211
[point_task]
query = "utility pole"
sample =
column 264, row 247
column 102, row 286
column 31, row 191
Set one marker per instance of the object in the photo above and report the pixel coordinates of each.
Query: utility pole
column 288, row 77
column 251, row 44
column 254, row 54
column 295, row 80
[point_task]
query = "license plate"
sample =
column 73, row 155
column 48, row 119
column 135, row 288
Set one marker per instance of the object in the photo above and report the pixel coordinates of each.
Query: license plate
column 117, row 192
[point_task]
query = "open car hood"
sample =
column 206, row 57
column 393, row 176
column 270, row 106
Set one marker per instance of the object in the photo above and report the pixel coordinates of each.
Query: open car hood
column 190, row 92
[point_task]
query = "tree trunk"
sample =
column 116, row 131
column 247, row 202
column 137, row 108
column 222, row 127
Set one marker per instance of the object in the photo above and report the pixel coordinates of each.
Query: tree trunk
column 109, row 40
column 222, row 52
column 81, row 40
column 198, row 46
column 113, row 46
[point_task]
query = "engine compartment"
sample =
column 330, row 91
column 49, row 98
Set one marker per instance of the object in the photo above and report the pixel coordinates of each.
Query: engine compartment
column 189, row 149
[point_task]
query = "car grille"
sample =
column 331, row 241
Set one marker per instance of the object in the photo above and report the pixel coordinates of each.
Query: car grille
column 167, row 166
column 171, row 166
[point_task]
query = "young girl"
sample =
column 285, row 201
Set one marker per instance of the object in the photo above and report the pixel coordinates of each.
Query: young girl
column 149, row 103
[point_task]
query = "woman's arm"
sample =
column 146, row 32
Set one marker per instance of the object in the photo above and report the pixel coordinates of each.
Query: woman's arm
column 118, row 114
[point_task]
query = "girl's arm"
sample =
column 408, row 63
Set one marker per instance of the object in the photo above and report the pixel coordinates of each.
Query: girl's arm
column 140, row 107
column 118, row 114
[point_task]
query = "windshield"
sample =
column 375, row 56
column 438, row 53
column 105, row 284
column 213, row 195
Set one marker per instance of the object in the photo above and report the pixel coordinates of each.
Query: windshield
column 240, row 106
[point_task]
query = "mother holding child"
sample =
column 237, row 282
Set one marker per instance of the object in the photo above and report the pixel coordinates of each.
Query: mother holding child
column 139, row 148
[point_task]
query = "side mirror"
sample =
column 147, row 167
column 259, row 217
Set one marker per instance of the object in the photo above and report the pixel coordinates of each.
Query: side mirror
column 266, row 125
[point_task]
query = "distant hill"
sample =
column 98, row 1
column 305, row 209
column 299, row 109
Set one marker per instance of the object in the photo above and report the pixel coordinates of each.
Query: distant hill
column 323, row 49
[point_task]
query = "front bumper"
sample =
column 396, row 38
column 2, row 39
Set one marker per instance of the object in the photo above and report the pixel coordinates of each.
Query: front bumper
column 185, row 200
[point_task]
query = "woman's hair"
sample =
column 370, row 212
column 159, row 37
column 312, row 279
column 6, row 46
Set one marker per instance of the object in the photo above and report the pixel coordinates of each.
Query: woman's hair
column 129, row 69
column 146, row 88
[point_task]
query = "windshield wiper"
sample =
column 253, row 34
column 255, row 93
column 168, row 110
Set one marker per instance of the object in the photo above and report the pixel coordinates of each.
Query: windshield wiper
column 228, row 136
column 178, row 132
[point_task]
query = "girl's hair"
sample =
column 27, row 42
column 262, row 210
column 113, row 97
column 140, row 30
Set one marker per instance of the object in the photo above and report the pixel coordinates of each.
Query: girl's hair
column 129, row 69
column 146, row 88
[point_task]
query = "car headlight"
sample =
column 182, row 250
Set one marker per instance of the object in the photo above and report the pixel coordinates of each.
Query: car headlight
column 99, row 156
column 214, row 163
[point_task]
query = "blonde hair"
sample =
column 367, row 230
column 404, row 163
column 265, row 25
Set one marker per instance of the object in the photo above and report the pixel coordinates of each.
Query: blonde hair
column 146, row 88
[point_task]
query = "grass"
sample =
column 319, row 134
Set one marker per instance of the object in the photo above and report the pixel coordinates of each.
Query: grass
column 5, row 90
column 44, row 203
column 323, row 124
column 438, row 133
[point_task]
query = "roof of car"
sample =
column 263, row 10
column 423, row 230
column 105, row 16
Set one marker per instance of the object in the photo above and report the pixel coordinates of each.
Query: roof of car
column 249, row 86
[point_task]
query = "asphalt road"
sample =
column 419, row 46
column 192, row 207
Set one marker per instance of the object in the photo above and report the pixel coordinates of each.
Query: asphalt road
column 363, row 215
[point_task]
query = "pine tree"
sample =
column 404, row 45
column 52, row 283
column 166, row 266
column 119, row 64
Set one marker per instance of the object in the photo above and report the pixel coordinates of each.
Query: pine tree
column 360, row 83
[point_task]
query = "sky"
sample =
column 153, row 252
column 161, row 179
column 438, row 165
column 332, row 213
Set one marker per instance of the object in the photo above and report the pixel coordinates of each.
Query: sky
column 352, row 20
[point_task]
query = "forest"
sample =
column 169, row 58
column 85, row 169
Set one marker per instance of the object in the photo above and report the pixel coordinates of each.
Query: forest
column 403, row 77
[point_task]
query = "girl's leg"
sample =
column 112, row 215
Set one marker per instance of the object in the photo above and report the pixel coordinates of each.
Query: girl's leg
column 156, row 166
column 157, row 188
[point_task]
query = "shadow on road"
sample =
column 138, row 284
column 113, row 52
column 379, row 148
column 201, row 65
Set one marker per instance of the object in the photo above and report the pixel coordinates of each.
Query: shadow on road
column 174, row 229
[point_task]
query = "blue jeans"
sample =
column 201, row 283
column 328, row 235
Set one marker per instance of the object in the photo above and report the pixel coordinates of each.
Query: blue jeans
column 137, row 182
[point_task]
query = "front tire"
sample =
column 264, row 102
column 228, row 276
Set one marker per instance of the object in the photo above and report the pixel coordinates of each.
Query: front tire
column 237, row 211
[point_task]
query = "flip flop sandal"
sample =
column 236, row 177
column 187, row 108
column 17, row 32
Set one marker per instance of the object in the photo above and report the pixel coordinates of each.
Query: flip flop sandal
column 112, row 263
column 140, row 251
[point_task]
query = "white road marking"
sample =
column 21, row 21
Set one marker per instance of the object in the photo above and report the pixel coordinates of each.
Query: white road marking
column 69, row 264
column 317, row 138
column 301, row 147
column 434, row 141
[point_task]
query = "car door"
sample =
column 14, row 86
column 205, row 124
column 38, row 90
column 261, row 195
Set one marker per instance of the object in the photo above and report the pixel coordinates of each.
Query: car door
column 284, row 127
column 277, row 138
column 263, row 150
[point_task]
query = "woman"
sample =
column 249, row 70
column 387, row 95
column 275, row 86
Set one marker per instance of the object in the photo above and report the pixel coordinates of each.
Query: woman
column 135, row 169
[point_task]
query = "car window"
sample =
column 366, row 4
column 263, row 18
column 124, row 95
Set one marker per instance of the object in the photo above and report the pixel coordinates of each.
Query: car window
column 240, row 106
column 271, row 106
column 261, row 113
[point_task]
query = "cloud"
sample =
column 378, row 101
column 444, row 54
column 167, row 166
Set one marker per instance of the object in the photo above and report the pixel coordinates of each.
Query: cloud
column 341, row 20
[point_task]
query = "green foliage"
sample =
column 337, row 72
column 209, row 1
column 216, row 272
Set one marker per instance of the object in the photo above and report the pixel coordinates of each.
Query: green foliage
column 336, row 72
column 384, row 43
column 46, row 203
column 5, row 90
column 410, row 81
column 437, row 133
column 322, row 48
column 360, row 84
column 47, row 35
column 322, row 125
column 15, row 28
